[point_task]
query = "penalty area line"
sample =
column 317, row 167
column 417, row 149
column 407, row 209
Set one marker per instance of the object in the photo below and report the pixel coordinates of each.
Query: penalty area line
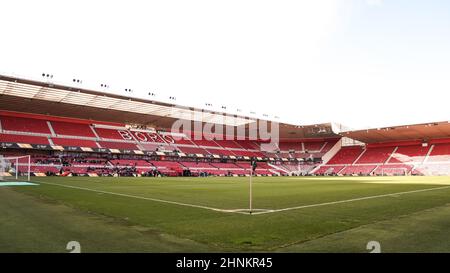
column 237, row 211
column 350, row 200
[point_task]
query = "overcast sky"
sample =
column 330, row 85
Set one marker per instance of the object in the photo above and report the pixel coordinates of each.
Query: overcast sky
column 362, row 63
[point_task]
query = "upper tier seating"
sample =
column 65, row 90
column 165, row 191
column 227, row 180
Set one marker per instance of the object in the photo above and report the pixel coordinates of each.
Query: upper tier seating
column 72, row 129
column 328, row 146
column 221, row 152
column 347, row 155
column 413, row 153
column 375, row 155
column 74, row 142
column 249, row 145
column 288, row 146
column 182, row 141
column 204, row 142
column 313, row 146
column 108, row 133
column 228, row 144
column 23, row 139
column 244, row 153
column 192, row 150
column 441, row 152
column 24, row 125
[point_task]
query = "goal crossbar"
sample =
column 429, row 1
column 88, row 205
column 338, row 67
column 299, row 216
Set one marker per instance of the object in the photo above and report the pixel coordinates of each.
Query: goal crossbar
column 15, row 166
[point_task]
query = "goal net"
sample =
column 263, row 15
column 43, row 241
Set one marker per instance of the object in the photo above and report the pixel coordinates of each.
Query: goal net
column 394, row 172
column 15, row 168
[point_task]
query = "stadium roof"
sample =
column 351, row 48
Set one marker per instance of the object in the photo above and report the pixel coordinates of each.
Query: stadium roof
column 42, row 97
column 422, row 132
column 52, row 94
column 46, row 97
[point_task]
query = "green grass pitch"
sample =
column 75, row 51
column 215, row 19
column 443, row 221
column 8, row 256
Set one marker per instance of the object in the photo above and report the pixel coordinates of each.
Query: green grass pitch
column 293, row 214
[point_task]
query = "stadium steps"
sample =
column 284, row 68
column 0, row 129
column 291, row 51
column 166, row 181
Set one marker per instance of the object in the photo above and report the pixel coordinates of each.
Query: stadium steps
column 138, row 144
column 277, row 168
column 323, row 146
column 341, row 170
column 359, row 157
column 425, row 160
column 93, row 131
column 50, row 127
column 391, row 155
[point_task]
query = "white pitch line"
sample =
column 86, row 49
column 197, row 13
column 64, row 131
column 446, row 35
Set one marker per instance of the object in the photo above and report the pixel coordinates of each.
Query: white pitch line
column 239, row 211
column 349, row 200
column 245, row 211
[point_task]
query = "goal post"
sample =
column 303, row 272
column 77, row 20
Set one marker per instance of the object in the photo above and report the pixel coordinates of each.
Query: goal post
column 15, row 167
column 394, row 171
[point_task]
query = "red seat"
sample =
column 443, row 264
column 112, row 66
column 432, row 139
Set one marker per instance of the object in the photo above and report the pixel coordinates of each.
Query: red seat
column 23, row 139
column 25, row 125
column 72, row 129
column 118, row 145
column 413, row 153
column 376, row 155
column 347, row 155
column 109, row 133
column 74, row 142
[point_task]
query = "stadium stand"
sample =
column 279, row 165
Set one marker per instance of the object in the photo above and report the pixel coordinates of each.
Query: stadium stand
column 72, row 129
column 358, row 170
column 288, row 146
column 228, row 144
column 440, row 153
column 27, row 125
column 117, row 145
column 330, row 170
column 109, row 133
column 394, row 158
column 409, row 154
column 74, row 142
column 347, row 155
column 192, row 150
column 394, row 169
column 313, row 146
column 377, row 155
column 23, row 139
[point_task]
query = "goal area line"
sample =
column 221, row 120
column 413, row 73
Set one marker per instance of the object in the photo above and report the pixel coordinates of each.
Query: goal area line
column 246, row 211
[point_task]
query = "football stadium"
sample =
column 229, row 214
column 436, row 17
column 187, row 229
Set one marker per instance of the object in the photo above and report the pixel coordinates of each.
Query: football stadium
column 193, row 129
column 112, row 166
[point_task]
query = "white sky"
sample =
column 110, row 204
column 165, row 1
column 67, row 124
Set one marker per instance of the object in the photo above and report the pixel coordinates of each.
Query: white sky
column 362, row 63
